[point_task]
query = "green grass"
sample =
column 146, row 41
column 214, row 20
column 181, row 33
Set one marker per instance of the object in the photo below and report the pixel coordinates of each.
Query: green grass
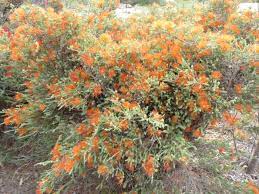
column 210, row 152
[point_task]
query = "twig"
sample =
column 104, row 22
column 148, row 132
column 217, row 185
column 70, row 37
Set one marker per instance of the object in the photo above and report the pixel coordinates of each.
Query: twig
column 234, row 139
column 235, row 143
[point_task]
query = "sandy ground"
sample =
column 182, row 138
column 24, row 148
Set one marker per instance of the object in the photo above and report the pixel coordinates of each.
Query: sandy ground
column 17, row 180
column 22, row 179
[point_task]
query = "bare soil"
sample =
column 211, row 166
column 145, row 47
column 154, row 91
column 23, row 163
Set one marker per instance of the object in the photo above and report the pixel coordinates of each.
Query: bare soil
column 22, row 179
column 18, row 180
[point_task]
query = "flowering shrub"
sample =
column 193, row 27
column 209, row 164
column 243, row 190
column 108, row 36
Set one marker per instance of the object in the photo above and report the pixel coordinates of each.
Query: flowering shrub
column 122, row 99
column 9, row 78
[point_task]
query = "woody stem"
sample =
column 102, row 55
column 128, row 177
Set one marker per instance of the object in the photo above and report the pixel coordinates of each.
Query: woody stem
column 234, row 141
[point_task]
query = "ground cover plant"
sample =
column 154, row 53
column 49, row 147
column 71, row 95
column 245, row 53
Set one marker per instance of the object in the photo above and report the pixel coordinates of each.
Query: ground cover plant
column 123, row 100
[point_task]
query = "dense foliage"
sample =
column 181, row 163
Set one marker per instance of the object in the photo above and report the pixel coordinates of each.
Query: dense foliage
column 124, row 99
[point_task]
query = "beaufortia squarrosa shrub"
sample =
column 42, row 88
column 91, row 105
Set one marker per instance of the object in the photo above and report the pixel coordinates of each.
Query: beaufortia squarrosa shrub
column 10, row 81
column 123, row 99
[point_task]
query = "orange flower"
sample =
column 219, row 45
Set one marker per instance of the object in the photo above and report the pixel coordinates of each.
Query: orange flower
column 238, row 88
column 251, row 186
column 197, row 133
column 124, row 90
column 211, row 15
column 235, row 29
column 81, row 129
column 116, row 152
column 95, row 146
column 93, row 115
column 238, row 107
column 70, row 87
column 106, row 133
column 36, row 75
column 83, row 75
column 74, row 76
column 224, row 46
column 230, row 119
column 28, row 84
column 150, row 131
column 203, row 79
column 108, row 147
column 196, row 88
column 176, row 65
column 76, row 101
column 77, row 148
column 254, row 64
column 8, row 74
column 102, row 170
column 248, row 108
column 68, row 164
column 18, row 96
column 102, row 70
column 90, row 161
column 188, row 129
column 123, row 77
column 16, row 55
column 42, row 107
column 181, row 79
column 56, row 152
column 58, row 166
column 149, row 166
column 128, row 143
column 129, row 105
column 54, row 89
column 87, row 84
column 20, row 13
column 221, row 150
column 204, row 104
column 87, row 60
column 218, row 92
column 38, row 191
column 40, row 186
column 111, row 73
column 176, row 53
column 124, row 125
column 204, row 53
column 242, row 68
column 202, row 44
column 198, row 67
column 216, row 75
column 97, row 90
column 7, row 120
column 22, row 131
column 17, row 118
